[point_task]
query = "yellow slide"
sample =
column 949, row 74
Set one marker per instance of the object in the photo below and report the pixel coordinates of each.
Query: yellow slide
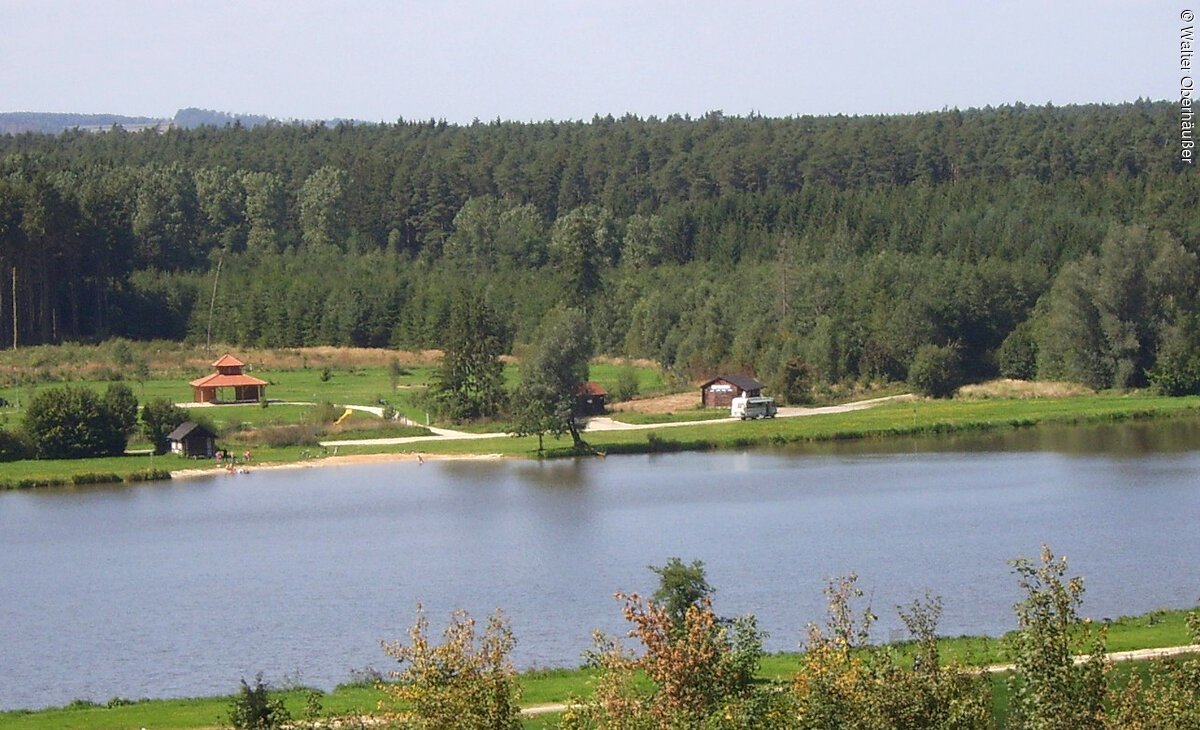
column 345, row 415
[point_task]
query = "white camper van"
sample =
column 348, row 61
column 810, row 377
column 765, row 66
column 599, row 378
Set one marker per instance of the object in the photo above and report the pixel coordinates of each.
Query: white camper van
column 744, row 407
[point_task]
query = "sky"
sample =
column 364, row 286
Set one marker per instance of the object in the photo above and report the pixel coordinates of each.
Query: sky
column 461, row 60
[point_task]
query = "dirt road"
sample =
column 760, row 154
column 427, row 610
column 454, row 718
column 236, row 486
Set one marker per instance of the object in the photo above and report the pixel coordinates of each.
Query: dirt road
column 606, row 423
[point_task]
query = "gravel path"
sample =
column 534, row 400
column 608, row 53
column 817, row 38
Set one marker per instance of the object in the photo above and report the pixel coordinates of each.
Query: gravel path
column 606, row 423
column 1117, row 656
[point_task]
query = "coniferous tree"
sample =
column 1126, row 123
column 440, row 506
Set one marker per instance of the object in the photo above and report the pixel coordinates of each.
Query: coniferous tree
column 470, row 381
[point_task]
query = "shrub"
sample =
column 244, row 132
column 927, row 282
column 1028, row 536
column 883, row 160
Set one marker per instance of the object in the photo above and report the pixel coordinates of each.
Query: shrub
column 681, row 586
column 935, row 371
column 395, row 372
column 1048, row 688
column 325, row 413
column 465, row 682
column 293, row 435
column 94, row 478
column 71, row 422
column 123, row 406
column 253, row 708
column 148, row 475
column 1017, row 356
column 14, row 446
column 846, row 682
column 627, row 384
column 701, row 673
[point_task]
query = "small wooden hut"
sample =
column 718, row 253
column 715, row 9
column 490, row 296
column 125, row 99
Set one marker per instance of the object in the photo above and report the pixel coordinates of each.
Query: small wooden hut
column 589, row 399
column 192, row 440
column 720, row 391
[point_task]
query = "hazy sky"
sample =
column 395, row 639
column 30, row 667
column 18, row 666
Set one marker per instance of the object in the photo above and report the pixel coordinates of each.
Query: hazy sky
column 378, row 60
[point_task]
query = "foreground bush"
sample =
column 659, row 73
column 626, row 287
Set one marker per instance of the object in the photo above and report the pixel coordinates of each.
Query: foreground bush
column 1048, row 689
column 253, row 708
column 465, row 682
column 693, row 669
column 847, row 683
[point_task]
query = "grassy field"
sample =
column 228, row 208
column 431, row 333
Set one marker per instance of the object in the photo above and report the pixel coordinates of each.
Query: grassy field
column 338, row 375
column 1153, row 630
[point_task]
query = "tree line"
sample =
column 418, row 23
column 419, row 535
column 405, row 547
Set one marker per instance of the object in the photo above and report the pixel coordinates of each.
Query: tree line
column 705, row 244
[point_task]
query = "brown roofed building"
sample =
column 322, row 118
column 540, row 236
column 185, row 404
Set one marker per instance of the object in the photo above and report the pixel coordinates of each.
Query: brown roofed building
column 589, row 399
column 720, row 391
column 229, row 375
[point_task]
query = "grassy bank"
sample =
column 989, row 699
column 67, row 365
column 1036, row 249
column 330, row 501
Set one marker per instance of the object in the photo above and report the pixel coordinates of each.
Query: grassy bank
column 925, row 417
column 1152, row 630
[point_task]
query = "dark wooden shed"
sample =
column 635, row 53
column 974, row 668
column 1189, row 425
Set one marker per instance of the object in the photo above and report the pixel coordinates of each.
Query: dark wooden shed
column 721, row 390
column 193, row 440
column 589, row 399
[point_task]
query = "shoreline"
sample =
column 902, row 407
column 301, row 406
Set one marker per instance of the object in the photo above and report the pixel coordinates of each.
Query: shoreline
column 344, row 460
column 878, row 420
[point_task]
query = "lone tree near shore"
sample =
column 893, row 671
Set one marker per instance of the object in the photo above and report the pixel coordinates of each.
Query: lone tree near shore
column 551, row 376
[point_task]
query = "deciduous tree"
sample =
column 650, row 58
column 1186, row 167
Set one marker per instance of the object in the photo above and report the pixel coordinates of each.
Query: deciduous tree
column 159, row 418
column 551, row 377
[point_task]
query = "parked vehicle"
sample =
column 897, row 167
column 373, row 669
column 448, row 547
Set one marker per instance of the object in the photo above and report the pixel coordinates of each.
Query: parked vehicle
column 744, row 407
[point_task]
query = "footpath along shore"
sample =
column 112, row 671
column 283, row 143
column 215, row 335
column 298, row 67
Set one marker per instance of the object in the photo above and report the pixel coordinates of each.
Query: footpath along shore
column 549, row 708
column 605, row 423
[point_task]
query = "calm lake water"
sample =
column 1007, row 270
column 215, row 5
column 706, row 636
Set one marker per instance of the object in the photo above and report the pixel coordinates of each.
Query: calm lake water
column 183, row 588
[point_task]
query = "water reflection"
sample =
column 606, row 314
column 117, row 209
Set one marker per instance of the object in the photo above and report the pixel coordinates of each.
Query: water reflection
column 1113, row 439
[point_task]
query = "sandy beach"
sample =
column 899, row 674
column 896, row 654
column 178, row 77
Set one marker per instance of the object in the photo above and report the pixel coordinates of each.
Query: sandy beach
column 350, row 459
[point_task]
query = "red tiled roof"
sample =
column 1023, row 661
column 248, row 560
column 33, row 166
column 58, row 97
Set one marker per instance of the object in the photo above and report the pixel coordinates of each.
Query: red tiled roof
column 228, row 361
column 217, row 380
column 590, row 388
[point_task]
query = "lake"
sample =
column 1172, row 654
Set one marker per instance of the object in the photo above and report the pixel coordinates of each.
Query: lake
column 182, row 588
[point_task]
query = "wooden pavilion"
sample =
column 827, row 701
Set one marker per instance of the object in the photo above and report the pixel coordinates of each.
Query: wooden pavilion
column 229, row 375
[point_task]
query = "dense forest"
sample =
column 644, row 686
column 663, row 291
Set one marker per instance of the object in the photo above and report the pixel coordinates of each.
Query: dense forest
column 1058, row 242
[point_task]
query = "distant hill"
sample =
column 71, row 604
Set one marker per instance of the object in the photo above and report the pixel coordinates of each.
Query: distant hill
column 52, row 123
column 192, row 117
column 55, row 123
